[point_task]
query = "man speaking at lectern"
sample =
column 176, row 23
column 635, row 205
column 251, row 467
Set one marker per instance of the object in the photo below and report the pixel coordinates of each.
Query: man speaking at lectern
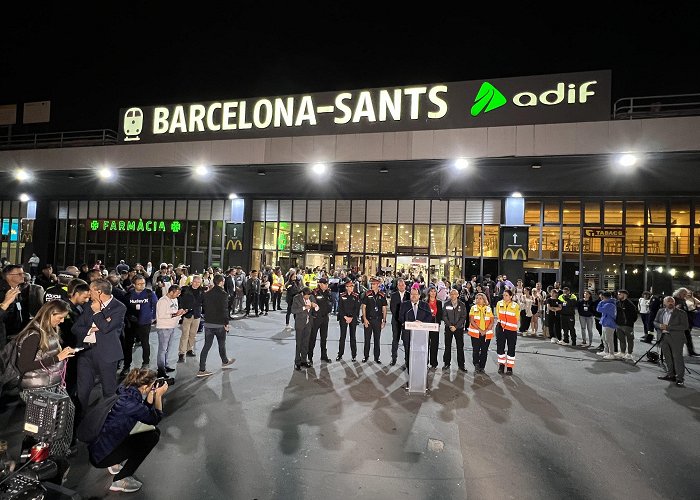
column 414, row 310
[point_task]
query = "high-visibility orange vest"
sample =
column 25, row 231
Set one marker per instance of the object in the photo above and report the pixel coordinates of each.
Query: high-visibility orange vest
column 508, row 315
column 484, row 317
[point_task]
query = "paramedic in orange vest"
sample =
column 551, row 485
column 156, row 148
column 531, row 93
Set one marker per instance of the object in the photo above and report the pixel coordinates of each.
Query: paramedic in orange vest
column 507, row 314
column 480, row 330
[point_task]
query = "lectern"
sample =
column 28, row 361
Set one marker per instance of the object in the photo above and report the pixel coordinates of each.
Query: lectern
column 418, row 360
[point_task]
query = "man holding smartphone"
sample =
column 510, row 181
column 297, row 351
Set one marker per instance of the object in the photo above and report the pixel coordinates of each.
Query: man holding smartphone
column 167, row 318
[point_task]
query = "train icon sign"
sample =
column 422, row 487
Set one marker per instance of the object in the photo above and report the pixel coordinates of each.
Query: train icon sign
column 133, row 124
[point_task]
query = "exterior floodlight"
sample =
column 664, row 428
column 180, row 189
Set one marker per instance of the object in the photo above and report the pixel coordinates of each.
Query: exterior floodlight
column 660, row 269
column 22, row 175
column 690, row 274
column 461, row 163
column 672, row 272
column 105, row 173
column 24, row 198
column 627, row 160
column 201, row 171
column 232, row 196
column 319, row 168
column 516, row 195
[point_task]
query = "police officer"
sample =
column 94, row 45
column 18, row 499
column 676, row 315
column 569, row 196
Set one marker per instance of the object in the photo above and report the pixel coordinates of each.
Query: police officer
column 322, row 294
column 374, row 307
column 60, row 291
column 348, row 311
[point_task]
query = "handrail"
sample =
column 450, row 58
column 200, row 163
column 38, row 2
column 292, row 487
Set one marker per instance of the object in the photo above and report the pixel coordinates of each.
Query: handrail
column 59, row 139
column 656, row 106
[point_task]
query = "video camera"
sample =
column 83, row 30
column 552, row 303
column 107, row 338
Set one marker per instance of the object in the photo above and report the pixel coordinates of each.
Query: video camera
column 163, row 380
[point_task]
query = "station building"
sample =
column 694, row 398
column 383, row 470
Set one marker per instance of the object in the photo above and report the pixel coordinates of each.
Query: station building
column 541, row 177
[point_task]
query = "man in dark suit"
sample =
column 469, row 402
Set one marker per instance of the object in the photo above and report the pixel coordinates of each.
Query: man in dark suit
column 99, row 329
column 671, row 323
column 230, row 287
column 414, row 310
column 302, row 305
column 397, row 299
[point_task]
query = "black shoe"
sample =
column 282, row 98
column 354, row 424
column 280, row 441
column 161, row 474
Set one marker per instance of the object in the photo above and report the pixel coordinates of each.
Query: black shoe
column 393, row 362
column 180, row 358
column 693, row 354
column 463, row 369
column 680, row 382
column 354, row 359
column 339, row 358
column 364, row 360
column 446, row 367
column 168, row 369
column 265, row 313
column 670, row 378
column 509, row 371
column 501, row 369
column 377, row 361
column 311, row 361
column 124, row 372
column 325, row 359
column 306, row 365
column 191, row 354
column 297, row 366
column 257, row 315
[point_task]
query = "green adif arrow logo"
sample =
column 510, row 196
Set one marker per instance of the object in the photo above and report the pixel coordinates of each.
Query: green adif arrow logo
column 487, row 99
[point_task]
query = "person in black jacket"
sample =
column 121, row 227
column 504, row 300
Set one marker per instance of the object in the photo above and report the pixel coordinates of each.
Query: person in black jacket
column 190, row 300
column 395, row 300
column 252, row 293
column 292, row 286
column 436, row 313
column 215, row 308
column 586, row 313
column 320, row 318
column 567, row 316
column 348, row 311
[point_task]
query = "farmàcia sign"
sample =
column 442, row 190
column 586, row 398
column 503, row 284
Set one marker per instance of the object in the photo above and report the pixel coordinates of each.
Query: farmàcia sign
column 135, row 226
column 560, row 98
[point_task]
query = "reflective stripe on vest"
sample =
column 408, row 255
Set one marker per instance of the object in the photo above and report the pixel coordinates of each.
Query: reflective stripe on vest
column 507, row 317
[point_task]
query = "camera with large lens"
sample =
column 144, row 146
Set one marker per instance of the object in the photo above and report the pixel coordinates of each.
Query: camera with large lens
column 163, row 380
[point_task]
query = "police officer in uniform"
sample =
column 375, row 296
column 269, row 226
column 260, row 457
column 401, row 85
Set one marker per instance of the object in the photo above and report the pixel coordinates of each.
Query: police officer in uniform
column 320, row 317
column 374, row 308
column 348, row 311
column 60, row 291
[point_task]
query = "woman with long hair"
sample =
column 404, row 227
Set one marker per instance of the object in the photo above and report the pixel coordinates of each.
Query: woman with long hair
column 434, row 337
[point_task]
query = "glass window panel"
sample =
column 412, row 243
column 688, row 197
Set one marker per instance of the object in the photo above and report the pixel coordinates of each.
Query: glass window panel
column 113, row 209
column 167, row 254
column 135, row 209
column 389, row 238
column 492, row 211
column 313, row 210
column 255, row 259
column 342, row 237
column 180, row 209
column 204, row 209
column 192, row 234
column 372, row 235
column 342, row 211
column 472, row 243
column 146, row 209
column 532, row 212
column 572, row 212
column 389, row 210
column 405, row 235
column 421, row 236
column 157, row 209
column 328, row 235
column 284, row 236
column 456, row 212
column 592, row 248
column 491, row 240
column 270, row 236
column 634, row 213
column 592, row 213
column 179, row 255
column 298, row 236
column 203, row 235
column 550, row 243
column 612, row 246
column 312, row 236
column 612, row 213
column 422, row 213
column 656, row 241
column 571, row 241
column 358, row 211
column 357, row 241
column 217, row 210
column 438, row 212
column 656, row 212
column 454, row 239
column 533, row 243
column 93, row 207
column 193, row 210
column 179, row 238
column 169, row 210
column 551, row 211
column 271, row 210
column 167, row 243
column 634, row 240
column 680, row 241
column 72, row 209
column 438, row 235
column 406, row 211
column 83, row 210
column 299, row 210
column 374, row 210
column 680, row 213
column 285, row 209
column 258, row 234
column 327, row 210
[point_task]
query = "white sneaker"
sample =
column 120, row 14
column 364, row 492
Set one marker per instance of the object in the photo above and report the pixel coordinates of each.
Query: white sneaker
column 561, row 342
column 629, row 357
column 584, row 344
column 127, row 485
column 619, row 355
column 115, row 469
column 554, row 341
column 609, row 357
column 601, row 353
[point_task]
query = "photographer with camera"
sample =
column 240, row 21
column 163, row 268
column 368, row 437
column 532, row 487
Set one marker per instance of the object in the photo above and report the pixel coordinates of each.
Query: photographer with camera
column 121, row 445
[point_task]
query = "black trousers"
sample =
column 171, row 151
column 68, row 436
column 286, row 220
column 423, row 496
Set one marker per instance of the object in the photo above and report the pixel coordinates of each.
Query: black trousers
column 433, row 344
column 396, row 335
column 568, row 328
column 252, row 299
column 406, row 337
column 480, row 351
column 209, row 334
column 134, row 449
column 554, row 325
column 141, row 332
column 353, row 338
column 88, row 368
column 524, row 321
column 289, row 309
column 276, row 301
column 375, row 327
column 504, row 337
column 264, row 302
column 320, row 324
column 689, row 343
column 459, row 339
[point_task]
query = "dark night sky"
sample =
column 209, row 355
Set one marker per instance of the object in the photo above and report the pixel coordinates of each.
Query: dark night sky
column 91, row 67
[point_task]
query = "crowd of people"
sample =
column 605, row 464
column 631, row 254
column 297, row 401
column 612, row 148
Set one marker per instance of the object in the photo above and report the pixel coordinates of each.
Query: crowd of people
column 100, row 316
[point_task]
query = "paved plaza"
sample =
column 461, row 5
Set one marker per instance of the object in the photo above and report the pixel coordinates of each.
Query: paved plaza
column 566, row 425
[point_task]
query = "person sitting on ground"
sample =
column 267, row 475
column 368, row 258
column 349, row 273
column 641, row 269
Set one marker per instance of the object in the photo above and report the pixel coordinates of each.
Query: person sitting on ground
column 116, row 448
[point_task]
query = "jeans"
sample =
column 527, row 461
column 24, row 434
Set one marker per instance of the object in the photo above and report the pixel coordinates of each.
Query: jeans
column 165, row 338
column 334, row 297
column 142, row 333
column 587, row 322
column 276, row 301
column 209, row 334
column 134, row 449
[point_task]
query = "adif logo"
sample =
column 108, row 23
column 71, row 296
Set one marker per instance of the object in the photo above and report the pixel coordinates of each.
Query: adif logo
column 489, row 97
column 133, row 124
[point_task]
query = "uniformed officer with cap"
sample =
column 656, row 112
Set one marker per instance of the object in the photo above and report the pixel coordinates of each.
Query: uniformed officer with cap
column 348, row 311
column 374, row 307
column 60, row 291
column 320, row 317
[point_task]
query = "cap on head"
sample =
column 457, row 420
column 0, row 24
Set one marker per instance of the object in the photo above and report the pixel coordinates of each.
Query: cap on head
column 322, row 280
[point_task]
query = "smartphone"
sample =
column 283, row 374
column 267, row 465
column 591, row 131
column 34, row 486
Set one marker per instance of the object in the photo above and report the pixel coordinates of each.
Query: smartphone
column 78, row 349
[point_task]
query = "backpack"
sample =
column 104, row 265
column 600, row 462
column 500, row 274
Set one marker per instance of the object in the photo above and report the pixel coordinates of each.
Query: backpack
column 10, row 376
column 91, row 425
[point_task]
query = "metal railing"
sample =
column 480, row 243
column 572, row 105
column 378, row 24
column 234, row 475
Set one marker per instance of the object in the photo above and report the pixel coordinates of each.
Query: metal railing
column 658, row 106
column 59, row 139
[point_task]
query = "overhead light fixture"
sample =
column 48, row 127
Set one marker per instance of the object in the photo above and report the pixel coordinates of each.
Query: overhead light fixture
column 383, row 170
column 24, row 197
column 536, row 166
column 319, row 168
column 627, row 160
column 690, row 274
column 660, row 269
column 461, row 163
column 201, row 170
column 516, row 195
column 672, row 272
column 105, row 173
column 261, row 172
column 158, row 174
column 232, row 196
column 22, row 175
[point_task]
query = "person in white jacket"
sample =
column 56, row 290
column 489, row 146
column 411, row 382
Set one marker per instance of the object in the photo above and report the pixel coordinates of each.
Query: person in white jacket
column 167, row 318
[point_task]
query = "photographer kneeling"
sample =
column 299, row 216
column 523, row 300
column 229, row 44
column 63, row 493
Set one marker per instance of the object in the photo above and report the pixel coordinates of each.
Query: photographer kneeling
column 120, row 442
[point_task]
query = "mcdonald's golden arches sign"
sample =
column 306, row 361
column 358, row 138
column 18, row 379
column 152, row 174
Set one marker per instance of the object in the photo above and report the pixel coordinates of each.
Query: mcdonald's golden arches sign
column 514, row 242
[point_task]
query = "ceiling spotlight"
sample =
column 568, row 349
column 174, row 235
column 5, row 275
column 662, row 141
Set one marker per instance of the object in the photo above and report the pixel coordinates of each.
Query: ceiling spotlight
column 383, row 170
column 22, row 175
column 232, row 196
column 672, row 272
column 690, row 274
column 627, row 160
column 24, row 198
column 516, row 195
column 660, row 269
column 536, row 166
column 105, row 173
column 461, row 163
column 201, row 171
column 158, row 174
column 319, row 168
column 261, row 172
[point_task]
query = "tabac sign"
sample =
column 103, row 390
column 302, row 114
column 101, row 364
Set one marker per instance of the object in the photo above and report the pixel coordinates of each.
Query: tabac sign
column 569, row 97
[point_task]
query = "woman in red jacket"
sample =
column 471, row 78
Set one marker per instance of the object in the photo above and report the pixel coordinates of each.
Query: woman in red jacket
column 434, row 337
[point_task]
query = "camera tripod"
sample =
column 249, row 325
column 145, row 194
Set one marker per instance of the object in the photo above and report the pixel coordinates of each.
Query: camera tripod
column 661, row 362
